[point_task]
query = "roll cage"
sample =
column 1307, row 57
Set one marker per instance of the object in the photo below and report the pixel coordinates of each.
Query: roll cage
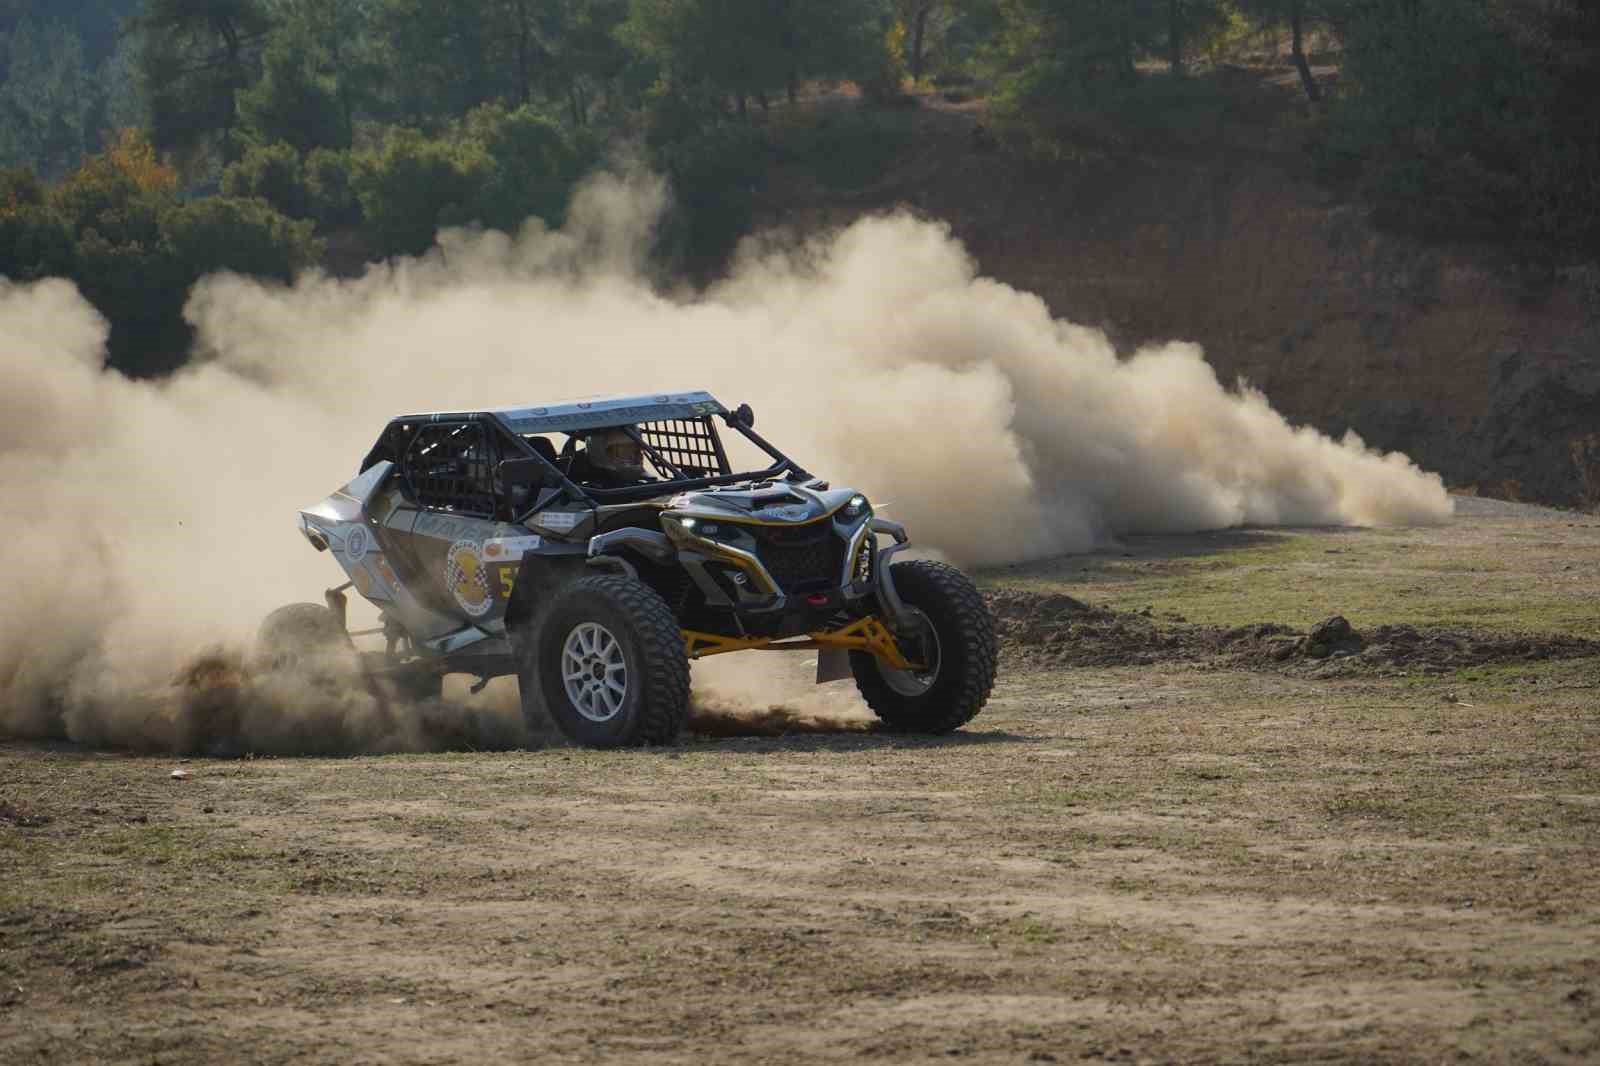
column 678, row 435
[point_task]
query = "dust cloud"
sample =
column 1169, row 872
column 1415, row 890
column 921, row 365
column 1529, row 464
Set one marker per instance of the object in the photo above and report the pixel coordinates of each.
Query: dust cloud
column 149, row 522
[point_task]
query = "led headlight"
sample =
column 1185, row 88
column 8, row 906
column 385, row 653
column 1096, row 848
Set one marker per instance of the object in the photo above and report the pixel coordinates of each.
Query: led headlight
column 856, row 507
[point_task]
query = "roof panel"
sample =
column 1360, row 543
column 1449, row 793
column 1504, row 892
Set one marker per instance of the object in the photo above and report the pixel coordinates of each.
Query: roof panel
column 612, row 411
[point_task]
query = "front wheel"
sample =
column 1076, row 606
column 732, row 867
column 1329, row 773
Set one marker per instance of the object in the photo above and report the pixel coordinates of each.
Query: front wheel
column 953, row 645
column 610, row 664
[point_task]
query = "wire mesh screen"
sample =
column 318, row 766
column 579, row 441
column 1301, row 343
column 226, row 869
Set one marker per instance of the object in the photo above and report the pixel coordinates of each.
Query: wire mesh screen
column 690, row 446
column 450, row 469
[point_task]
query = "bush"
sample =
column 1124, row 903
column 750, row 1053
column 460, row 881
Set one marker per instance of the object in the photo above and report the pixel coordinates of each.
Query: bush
column 243, row 235
column 20, row 187
column 327, row 177
column 531, row 166
column 271, row 172
column 291, row 104
column 34, row 243
column 845, row 149
column 1154, row 110
column 883, row 68
column 1465, row 120
column 413, row 185
column 714, row 175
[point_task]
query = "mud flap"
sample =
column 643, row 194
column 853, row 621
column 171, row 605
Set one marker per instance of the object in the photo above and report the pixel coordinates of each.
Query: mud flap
column 833, row 664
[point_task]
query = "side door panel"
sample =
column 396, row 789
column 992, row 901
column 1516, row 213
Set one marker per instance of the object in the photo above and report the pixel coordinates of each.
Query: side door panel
column 461, row 558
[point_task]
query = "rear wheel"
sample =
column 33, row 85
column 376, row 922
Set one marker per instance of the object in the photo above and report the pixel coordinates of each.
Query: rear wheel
column 609, row 664
column 298, row 635
column 952, row 643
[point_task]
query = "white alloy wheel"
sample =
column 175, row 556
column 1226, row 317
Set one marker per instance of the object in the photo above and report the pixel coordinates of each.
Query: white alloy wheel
column 594, row 672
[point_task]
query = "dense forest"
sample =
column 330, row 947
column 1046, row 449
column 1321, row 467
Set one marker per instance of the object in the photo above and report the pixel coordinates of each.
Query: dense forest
column 144, row 143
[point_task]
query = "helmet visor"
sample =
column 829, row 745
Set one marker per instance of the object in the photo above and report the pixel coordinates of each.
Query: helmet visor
column 623, row 452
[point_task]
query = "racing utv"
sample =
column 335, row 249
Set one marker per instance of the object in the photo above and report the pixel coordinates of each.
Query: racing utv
column 594, row 548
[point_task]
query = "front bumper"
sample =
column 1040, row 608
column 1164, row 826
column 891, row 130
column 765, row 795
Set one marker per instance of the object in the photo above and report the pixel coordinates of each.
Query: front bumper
column 755, row 569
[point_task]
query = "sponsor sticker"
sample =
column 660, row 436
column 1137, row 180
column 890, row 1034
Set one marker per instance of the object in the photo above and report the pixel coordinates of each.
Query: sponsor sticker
column 467, row 578
column 506, row 549
column 356, row 542
column 560, row 521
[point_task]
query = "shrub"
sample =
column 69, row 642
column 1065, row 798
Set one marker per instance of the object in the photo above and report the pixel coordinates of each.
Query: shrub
column 531, row 164
column 274, row 173
column 412, row 185
column 242, row 235
column 327, row 178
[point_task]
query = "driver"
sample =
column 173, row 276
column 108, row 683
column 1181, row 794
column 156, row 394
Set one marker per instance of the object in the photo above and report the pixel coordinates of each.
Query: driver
column 614, row 459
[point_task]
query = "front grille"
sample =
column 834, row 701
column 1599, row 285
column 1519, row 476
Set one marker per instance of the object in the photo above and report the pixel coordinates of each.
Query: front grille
column 801, row 559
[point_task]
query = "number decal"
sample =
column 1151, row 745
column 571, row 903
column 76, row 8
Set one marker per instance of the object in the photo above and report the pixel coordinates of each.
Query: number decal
column 508, row 581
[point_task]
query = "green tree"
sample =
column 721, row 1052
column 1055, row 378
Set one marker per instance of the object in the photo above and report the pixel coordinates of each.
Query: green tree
column 118, row 229
column 584, row 57
column 1056, row 50
column 340, row 53
column 327, row 183
column 412, row 185
column 270, row 172
column 926, row 22
column 110, row 209
column 749, row 48
column 246, row 236
column 194, row 57
column 292, row 103
column 1474, row 119
column 49, row 100
column 459, row 54
column 1299, row 16
column 443, row 52
column 1184, row 22
column 530, row 166
column 34, row 242
column 96, row 22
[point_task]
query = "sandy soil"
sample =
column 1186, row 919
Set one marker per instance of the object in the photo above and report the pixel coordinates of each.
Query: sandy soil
column 1205, row 856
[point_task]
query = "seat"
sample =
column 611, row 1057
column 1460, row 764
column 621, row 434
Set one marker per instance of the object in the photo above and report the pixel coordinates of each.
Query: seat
column 542, row 445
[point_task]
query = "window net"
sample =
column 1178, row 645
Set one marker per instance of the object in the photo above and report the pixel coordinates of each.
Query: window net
column 689, row 447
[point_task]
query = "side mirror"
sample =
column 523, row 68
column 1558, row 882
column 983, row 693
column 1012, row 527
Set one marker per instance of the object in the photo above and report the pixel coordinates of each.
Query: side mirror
column 745, row 416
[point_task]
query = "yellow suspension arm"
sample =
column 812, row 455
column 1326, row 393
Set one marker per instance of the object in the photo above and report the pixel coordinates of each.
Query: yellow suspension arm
column 865, row 634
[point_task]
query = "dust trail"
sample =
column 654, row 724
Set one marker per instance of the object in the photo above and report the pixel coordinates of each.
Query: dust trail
column 771, row 694
column 147, row 521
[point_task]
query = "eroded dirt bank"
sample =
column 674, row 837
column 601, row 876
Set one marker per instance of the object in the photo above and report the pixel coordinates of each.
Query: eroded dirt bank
column 1453, row 355
column 1058, row 630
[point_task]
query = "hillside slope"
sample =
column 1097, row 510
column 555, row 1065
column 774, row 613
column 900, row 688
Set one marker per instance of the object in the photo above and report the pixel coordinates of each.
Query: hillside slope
column 1220, row 236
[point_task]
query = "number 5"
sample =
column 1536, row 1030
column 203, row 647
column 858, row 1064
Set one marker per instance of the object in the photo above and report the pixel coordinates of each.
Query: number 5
column 508, row 581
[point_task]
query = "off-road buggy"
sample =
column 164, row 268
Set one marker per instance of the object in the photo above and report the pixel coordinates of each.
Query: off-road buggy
column 492, row 544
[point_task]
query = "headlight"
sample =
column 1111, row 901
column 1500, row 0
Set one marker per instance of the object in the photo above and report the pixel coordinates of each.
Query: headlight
column 856, row 507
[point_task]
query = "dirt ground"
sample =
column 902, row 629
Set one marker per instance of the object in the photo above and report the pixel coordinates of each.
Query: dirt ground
column 1177, row 844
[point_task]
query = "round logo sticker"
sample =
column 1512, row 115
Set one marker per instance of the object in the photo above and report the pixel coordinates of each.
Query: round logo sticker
column 467, row 579
column 355, row 545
